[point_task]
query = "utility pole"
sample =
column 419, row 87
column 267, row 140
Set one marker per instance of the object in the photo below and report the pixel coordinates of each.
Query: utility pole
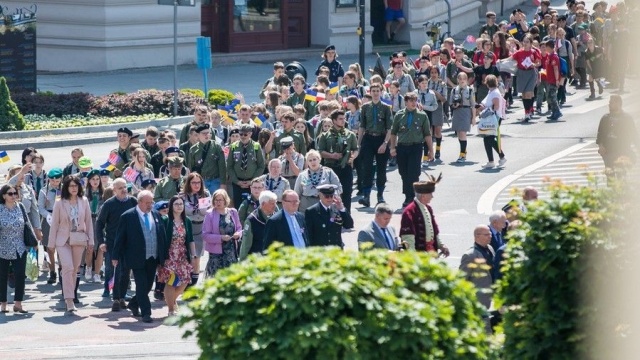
column 361, row 33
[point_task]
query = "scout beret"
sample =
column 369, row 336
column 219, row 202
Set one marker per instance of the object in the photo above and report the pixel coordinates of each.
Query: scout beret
column 175, row 161
column 171, row 150
column 234, row 130
column 202, row 127
column 327, row 189
column 85, row 162
column 55, row 173
column 161, row 205
column 583, row 26
column 246, row 128
column 92, row 173
column 286, row 142
column 329, row 48
column 125, row 130
column 105, row 172
column 148, row 182
column 135, row 136
column 427, row 187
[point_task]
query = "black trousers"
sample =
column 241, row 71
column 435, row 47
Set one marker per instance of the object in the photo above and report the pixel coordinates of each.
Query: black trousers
column 409, row 160
column 121, row 281
column 144, row 281
column 345, row 175
column 237, row 194
column 19, row 267
column 368, row 152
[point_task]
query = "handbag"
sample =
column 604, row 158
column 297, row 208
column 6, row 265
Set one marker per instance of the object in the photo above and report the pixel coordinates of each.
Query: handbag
column 488, row 124
column 507, row 65
column 77, row 238
column 30, row 239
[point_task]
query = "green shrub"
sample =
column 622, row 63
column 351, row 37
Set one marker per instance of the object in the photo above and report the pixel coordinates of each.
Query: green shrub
column 10, row 117
column 324, row 303
column 218, row 97
column 554, row 266
column 43, row 122
column 195, row 92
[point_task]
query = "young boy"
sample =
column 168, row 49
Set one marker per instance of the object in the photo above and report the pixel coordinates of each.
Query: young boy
column 553, row 80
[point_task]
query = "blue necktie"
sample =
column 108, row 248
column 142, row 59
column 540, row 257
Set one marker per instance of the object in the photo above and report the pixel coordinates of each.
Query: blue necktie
column 298, row 242
column 146, row 221
column 389, row 242
column 409, row 119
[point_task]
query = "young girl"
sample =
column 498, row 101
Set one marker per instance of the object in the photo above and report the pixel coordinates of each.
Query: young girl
column 47, row 198
column 300, row 126
column 139, row 164
column 439, row 88
column 428, row 103
column 528, row 60
column 595, row 66
column 359, row 76
column 463, row 103
column 93, row 192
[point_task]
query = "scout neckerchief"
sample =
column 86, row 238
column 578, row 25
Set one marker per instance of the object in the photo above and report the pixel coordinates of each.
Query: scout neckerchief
column 244, row 161
column 194, row 201
column 315, row 177
column 95, row 199
column 251, row 202
column 270, row 182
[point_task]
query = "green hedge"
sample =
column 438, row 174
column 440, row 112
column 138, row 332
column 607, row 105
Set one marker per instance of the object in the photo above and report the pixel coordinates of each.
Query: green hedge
column 42, row 122
column 324, row 303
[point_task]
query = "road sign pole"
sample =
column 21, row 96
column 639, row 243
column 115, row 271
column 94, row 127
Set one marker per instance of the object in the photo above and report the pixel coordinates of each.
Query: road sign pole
column 175, row 58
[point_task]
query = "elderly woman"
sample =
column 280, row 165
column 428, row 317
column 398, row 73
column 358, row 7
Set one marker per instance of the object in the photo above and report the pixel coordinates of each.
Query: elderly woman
column 12, row 248
column 274, row 181
column 26, row 195
column 308, row 181
column 221, row 232
column 71, row 233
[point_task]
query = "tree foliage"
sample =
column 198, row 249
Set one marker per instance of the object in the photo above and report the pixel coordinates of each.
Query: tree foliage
column 324, row 303
column 10, row 117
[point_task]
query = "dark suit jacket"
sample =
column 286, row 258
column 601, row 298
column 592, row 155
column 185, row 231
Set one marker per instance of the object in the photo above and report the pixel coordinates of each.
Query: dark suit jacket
column 130, row 246
column 277, row 229
column 495, row 242
column 321, row 231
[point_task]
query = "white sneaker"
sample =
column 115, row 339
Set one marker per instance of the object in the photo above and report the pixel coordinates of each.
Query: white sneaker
column 96, row 278
column 87, row 274
column 502, row 161
column 489, row 165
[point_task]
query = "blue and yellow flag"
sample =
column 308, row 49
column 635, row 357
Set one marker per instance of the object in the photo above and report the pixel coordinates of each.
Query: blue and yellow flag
column 334, row 88
column 4, row 157
column 313, row 95
column 259, row 119
column 512, row 29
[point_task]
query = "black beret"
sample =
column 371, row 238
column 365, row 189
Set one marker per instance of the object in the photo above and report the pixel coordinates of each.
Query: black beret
column 202, row 127
column 148, row 182
column 125, row 131
column 329, row 48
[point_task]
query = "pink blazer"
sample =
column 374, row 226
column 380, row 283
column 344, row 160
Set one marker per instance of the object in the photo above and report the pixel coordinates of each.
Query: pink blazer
column 61, row 222
column 211, row 230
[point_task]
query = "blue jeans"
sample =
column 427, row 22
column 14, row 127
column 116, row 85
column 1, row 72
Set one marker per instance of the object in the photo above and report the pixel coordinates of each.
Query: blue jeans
column 212, row 185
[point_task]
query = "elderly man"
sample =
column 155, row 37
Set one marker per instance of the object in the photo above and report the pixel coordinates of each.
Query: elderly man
column 141, row 243
column 418, row 227
column 379, row 233
column 497, row 225
column 477, row 263
column 326, row 218
column 254, row 226
column 287, row 225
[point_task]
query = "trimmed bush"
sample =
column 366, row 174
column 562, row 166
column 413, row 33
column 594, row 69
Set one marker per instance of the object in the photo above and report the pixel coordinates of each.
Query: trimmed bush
column 567, row 251
column 10, row 116
column 217, row 97
column 42, row 122
column 195, row 92
column 50, row 104
column 325, row 303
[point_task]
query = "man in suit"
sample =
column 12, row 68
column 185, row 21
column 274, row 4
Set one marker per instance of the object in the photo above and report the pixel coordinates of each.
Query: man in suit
column 477, row 262
column 142, row 245
column 497, row 225
column 287, row 225
column 326, row 218
column 378, row 232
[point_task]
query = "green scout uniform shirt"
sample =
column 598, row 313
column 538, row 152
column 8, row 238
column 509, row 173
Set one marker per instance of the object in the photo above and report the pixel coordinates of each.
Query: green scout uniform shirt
column 382, row 120
column 213, row 167
column 343, row 142
column 255, row 162
column 310, row 106
column 298, row 141
column 125, row 158
column 166, row 188
column 416, row 132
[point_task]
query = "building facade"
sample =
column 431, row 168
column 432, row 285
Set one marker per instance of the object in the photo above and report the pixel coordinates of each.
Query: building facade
column 103, row 35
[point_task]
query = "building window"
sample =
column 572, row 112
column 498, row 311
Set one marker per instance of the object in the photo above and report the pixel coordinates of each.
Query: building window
column 256, row 16
column 346, row 3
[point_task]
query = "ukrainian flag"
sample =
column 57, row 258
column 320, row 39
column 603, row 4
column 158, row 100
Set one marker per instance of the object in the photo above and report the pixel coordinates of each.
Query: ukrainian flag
column 173, row 280
column 4, row 157
column 513, row 29
column 334, row 88
column 259, row 119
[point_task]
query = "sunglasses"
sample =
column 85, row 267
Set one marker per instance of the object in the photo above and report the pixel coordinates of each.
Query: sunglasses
column 12, row 193
column 244, row 134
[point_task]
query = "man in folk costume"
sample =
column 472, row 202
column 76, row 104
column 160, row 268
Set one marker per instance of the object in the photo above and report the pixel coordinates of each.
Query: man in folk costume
column 418, row 227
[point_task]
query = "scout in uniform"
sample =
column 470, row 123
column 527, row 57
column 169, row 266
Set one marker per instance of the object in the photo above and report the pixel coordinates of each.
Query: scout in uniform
column 336, row 72
column 326, row 218
column 274, row 181
column 47, row 198
column 439, row 89
column 463, row 103
column 418, row 227
column 288, row 130
column 251, row 201
column 200, row 116
column 298, row 97
column 172, row 184
column 170, row 152
column 124, row 156
column 207, row 158
column 244, row 163
column 338, row 148
column 292, row 161
column 373, row 137
column 311, row 178
column 409, row 131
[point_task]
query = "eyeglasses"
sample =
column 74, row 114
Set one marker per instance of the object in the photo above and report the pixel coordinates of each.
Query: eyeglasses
column 12, row 193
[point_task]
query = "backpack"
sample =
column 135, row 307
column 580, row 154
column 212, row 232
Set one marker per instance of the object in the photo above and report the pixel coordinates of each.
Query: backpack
column 564, row 67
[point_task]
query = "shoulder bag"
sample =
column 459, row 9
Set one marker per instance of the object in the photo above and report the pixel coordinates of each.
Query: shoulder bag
column 30, row 239
column 488, row 124
column 78, row 238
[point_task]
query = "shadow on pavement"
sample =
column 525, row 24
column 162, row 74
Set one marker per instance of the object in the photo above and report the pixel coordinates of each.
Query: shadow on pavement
column 62, row 319
column 6, row 318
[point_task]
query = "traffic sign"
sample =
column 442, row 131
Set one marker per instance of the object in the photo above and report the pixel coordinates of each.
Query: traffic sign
column 180, row 2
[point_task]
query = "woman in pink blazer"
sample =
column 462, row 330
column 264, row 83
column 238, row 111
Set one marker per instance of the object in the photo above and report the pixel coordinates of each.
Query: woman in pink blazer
column 71, row 214
column 221, row 232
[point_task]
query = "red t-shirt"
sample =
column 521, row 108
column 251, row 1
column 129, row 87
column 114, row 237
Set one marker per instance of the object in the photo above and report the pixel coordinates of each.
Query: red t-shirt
column 394, row 4
column 552, row 61
column 543, row 74
column 521, row 55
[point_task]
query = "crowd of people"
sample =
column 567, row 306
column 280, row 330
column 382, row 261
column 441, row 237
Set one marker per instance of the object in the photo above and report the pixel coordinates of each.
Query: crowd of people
column 232, row 183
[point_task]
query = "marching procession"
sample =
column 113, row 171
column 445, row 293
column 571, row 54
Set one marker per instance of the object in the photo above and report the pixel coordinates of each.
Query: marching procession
column 239, row 178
